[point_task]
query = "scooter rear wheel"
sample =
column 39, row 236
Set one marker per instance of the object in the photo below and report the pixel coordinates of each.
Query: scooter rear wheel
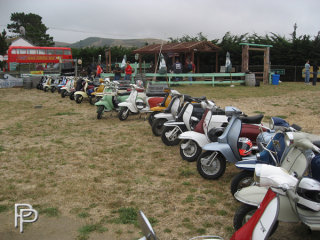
column 216, row 168
column 241, row 180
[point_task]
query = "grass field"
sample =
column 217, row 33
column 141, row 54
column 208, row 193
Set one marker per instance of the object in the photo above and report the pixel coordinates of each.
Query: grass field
column 88, row 177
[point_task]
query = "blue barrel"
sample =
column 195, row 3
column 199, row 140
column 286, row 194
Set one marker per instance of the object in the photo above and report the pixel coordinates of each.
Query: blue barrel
column 275, row 79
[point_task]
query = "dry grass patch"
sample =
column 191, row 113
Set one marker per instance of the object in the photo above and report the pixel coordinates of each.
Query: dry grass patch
column 64, row 161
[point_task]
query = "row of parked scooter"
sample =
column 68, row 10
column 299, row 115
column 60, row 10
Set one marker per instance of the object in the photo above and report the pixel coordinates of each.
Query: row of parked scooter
column 280, row 166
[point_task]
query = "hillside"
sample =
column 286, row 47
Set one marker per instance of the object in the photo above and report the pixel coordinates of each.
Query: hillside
column 100, row 42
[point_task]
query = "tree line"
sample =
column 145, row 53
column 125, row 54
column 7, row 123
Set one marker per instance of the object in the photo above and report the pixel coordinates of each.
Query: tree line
column 293, row 50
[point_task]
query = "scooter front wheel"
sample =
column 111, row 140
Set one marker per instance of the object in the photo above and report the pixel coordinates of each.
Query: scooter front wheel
column 53, row 89
column 158, row 126
column 100, row 111
column 211, row 165
column 241, row 180
column 190, row 150
column 170, row 135
column 71, row 96
column 151, row 117
column 244, row 213
column 63, row 93
column 92, row 100
column 123, row 113
column 79, row 98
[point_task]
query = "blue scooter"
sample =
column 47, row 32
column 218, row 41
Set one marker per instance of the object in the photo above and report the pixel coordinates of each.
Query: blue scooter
column 270, row 154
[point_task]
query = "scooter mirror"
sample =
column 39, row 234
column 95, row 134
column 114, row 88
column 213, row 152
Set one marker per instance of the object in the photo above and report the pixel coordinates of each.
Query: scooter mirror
column 146, row 227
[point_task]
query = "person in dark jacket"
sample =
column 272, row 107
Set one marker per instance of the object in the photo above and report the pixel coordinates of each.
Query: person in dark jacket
column 315, row 73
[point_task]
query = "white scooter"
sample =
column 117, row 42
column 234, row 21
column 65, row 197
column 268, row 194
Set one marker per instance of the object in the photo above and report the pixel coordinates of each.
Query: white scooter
column 258, row 227
column 80, row 95
column 193, row 141
column 137, row 102
column 299, row 194
column 66, row 89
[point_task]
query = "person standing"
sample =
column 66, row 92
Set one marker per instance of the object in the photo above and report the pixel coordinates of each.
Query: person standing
column 117, row 72
column 177, row 68
column 128, row 71
column 99, row 70
column 315, row 73
column 307, row 69
column 191, row 69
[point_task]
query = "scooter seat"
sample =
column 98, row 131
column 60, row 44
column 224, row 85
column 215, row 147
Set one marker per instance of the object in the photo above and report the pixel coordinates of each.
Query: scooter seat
column 156, row 94
column 252, row 119
column 317, row 143
column 123, row 93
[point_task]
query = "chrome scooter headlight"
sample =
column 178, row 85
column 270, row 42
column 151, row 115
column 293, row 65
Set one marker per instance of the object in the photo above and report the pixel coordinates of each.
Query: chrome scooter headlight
column 271, row 124
column 288, row 139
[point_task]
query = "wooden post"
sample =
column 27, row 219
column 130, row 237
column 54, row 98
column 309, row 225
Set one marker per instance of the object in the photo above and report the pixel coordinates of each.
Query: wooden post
column 245, row 58
column 266, row 66
column 217, row 59
column 198, row 63
column 192, row 56
column 109, row 60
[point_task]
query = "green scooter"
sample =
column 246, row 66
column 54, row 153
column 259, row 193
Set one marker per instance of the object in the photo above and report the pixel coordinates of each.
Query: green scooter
column 111, row 97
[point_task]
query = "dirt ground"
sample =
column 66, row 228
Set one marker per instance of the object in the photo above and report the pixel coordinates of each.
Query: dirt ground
column 88, row 177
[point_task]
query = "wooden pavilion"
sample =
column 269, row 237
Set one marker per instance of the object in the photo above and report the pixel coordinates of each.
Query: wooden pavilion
column 188, row 50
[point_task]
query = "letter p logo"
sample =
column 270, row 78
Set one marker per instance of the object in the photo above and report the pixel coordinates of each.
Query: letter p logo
column 24, row 211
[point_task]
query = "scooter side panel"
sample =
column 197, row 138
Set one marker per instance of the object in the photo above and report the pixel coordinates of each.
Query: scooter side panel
column 223, row 148
column 199, row 138
column 107, row 103
column 164, row 115
column 247, row 164
column 173, row 123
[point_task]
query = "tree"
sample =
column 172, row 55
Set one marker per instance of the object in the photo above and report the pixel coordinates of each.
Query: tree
column 35, row 30
column 3, row 43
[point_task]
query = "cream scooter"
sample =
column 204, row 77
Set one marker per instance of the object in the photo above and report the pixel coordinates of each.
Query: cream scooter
column 299, row 197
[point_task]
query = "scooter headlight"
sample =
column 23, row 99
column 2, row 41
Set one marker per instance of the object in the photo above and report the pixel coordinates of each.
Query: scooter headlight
column 288, row 139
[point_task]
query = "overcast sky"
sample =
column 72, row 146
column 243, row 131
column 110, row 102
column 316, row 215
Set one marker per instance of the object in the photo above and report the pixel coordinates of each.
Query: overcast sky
column 74, row 20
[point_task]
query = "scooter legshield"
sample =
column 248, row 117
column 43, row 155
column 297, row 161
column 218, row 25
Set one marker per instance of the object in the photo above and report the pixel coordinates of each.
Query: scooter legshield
column 261, row 223
column 223, row 148
column 106, row 101
column 252, row 195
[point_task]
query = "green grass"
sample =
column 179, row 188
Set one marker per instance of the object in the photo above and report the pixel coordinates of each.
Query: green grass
column 49, row 212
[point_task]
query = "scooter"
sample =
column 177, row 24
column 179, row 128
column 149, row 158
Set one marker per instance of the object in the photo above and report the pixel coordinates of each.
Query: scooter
column 62, row 83
column 270, row 154
column 67, row 88
column 137, row 102
column 54, row 84
column 46, row 86
column 170, row 114
column 193, row 141
column 170, row 94
column 211, row 164
column 97, row 93
column 187, row 120
column 259, row 227
column 298, row 194
column 112, row 96
column 85, row 92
